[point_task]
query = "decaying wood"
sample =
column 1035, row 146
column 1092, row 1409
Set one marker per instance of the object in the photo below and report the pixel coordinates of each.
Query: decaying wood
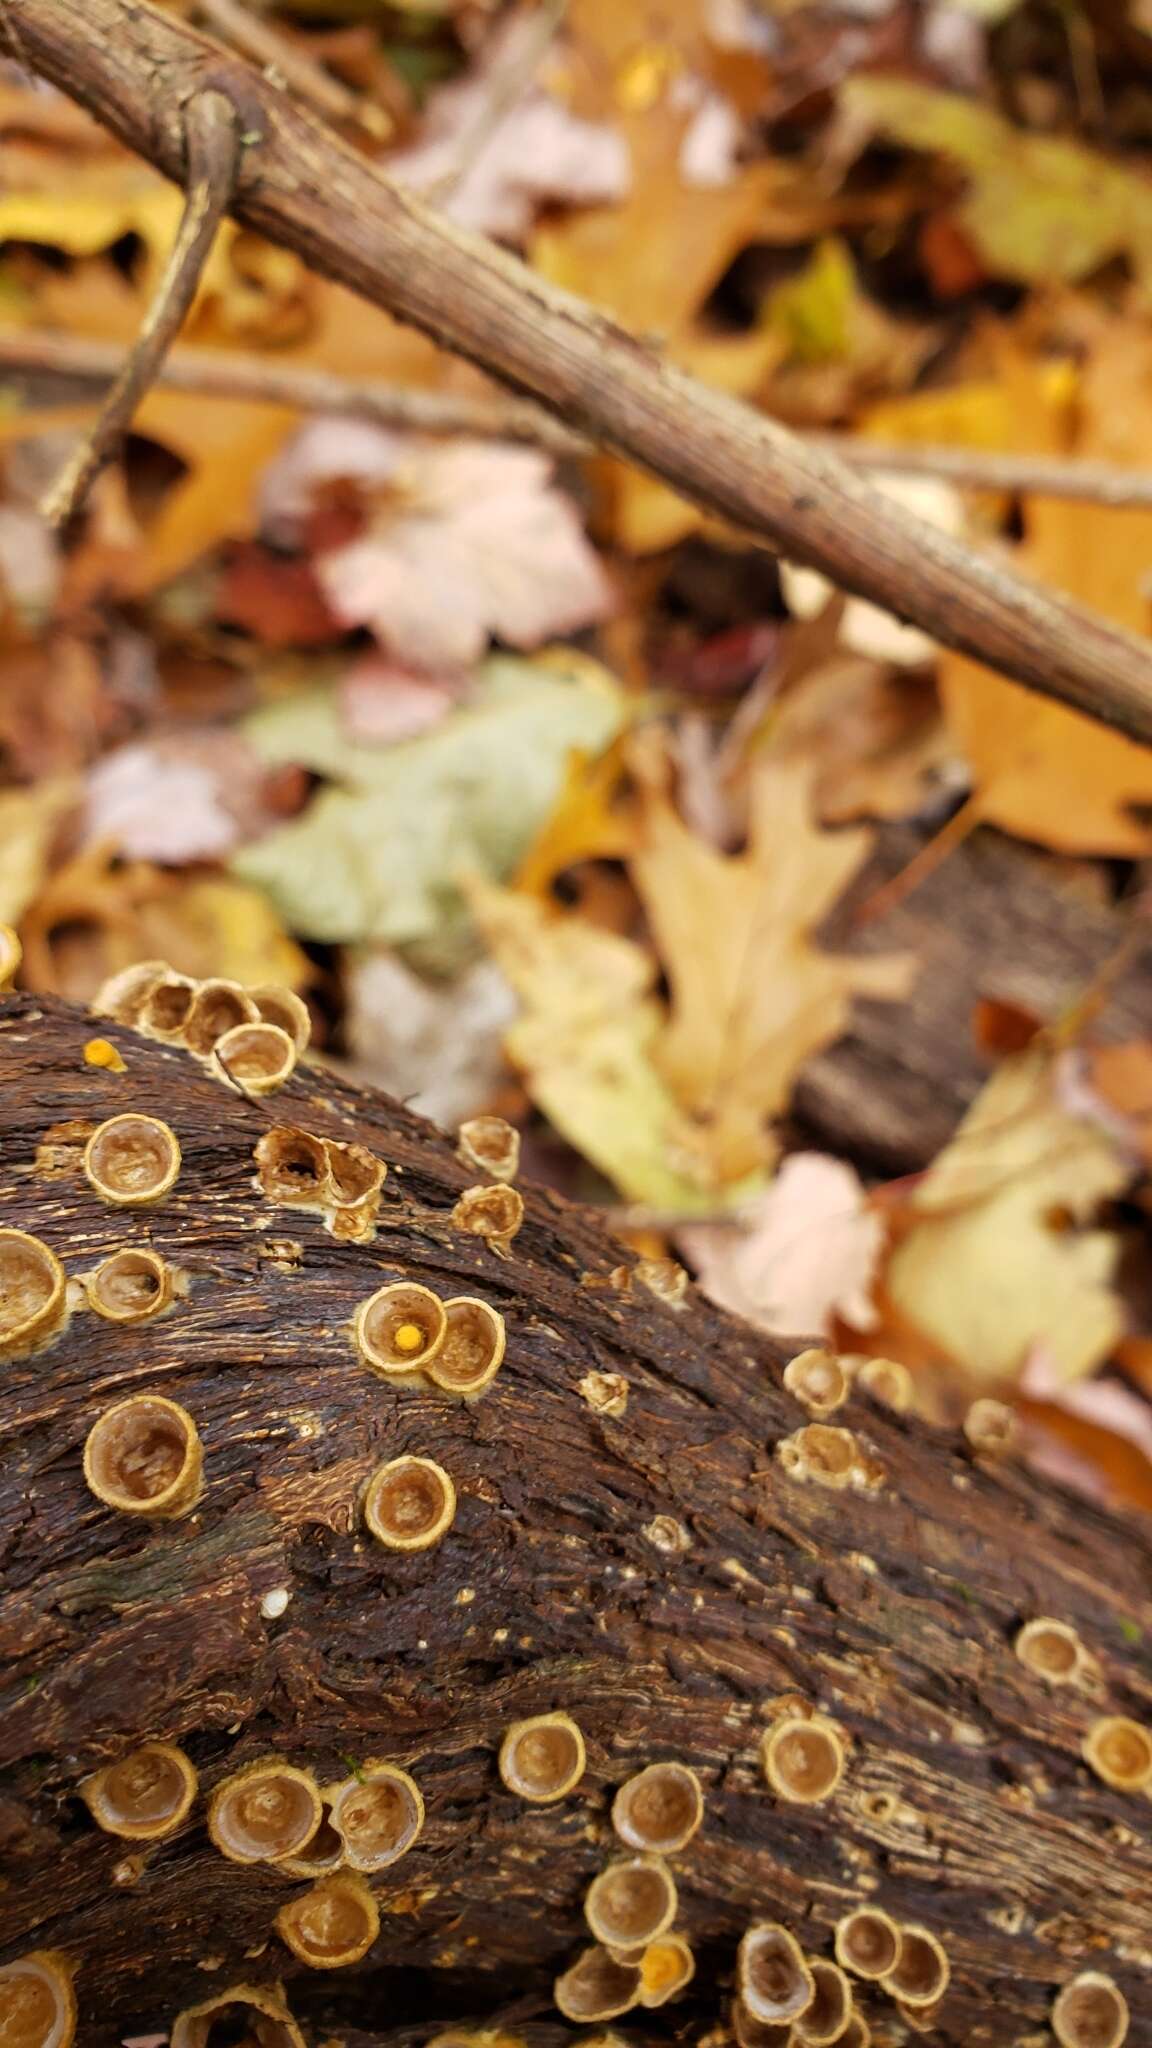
column 964, row 1806
column 135, row 68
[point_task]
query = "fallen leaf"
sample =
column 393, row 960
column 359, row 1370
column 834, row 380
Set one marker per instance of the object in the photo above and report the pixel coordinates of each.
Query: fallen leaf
column 379, row 855
column 583, row 1043
column 29, row 563
column 191, row 796
column 874, row 736
column 752, row 995
column 1121, row 1076
column 226, row 444
column 468, row 539
column 435, row 1044
column 1002, row 1255
column 797, row 1255
column 1040, row 209
column 30, row 820
column 864, row 627
column 275, row 597
column 381, row 701
column 587, row 822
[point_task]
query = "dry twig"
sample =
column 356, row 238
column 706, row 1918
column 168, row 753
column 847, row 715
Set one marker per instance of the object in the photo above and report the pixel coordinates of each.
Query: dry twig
column 310, row 81
column 211, row 133
column 133, row 65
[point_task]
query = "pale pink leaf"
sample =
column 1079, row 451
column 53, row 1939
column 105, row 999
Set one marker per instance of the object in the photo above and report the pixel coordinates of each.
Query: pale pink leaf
column 381, row 702
column 193, row 796
column 803, row 1251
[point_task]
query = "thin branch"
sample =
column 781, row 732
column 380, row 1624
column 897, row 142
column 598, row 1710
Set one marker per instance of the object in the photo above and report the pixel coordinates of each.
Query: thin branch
column 133, row 66
column 212, row 137
column 216, row 374
column 310, row 81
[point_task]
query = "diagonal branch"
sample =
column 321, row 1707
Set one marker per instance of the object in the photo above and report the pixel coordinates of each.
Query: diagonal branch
column 212, row 136
column 133, row 66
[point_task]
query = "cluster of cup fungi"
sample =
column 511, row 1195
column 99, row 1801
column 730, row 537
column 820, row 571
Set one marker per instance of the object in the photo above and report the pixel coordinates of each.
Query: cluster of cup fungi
column 143, row 1456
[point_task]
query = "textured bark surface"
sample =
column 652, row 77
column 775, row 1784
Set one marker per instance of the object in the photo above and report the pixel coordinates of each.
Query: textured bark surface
column 964, row 1805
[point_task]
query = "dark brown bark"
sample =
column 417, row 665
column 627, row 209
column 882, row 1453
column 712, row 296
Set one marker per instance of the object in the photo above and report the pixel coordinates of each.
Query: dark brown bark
column 964, row 1806
column 135, row 68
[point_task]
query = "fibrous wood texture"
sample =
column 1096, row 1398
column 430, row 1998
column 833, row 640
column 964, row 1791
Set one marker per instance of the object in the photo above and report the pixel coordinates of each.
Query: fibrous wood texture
column 136, row 68
column 964, row 1806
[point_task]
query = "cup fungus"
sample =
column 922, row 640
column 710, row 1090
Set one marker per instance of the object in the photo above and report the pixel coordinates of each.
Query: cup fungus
column 826, row 2019
column 144, row 1796
column 664, row 1278
column 165, row 1007
column 490, row 1144
column 292, row 1167
column 1090, row 2012
column 33, row 1299
column 322, row 1853
column 597, row 1987
column 121, row 997
column 920, row 1974
column 332, row 1925
column 378, row 1815
column 990, row 1427
column 355, row 1173
column 773, row 1980
column 132, row 1159
column 659, row 1809
column 1120, row 1752
column 818, row 1379
column 888, row 1382
column 631, row 1903
column 143, row 1457
column 11, row 954
column 820, row 1452
column 868, row 1943
column 1053, row 1650
column 266, row 1811
column 802, row 1758
column 542, row 1759
column 667, row 1966
column 750, row 2033
column 409, row 1503
column 400, row 1328
column 473, row 1346
column 216, row 1009
column 37, row 2002
column 857, row 2034
column 130, row 1285
column 276, row 1004
column 253, row 2015
column 255, row 1058
column 494, row 1213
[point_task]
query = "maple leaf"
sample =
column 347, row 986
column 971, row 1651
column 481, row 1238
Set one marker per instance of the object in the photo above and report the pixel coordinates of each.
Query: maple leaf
column 469, row 539
column 1001, row 1256
column 752, row 995
column 186, row 798
column 802, row 1251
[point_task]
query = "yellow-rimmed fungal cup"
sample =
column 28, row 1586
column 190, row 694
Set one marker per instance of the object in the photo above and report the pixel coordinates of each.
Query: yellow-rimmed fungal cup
column 597, row 1987
column 631, row 1903
column 165, row 1007
column 750, row 2033
column 143, row 1457
column 132, row 1159
column 818, row 1379
column 333, row 1925
column 802, row 1758
column 826, row 2019
column 409, row 1503
column 490, row 1144
column 1053, row 1650
column 542, row 1759
column 665, row 1278
column 258, row 2010
column 659, row 1809
column 322, row 1853
column 37, row 2002
column 493, row 1213
column 265, row 1812
column 1090, row 2012
column 667, row 1967
column 868, row 1943
column 921, row 1972
column 378, row 1815
column 772, row 1977
column 11, row 955
column 822, row 1452
column 991, row 1427
column 122, row 996
column 857, row 2034
column 292, row 1167
column 144, row 1796
column 217, row 1008
column 255, row 1058
column 472, row 1347
column 283, row 1007
column 1120, row 1753
column 33, row 1295
column 355, row 1174
column 400, row 1328
column 888, row 1382
column 130, row 1285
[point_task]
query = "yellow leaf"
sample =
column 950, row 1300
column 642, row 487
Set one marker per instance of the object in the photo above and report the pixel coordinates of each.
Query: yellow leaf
column 585, row 823
column 997, row 1263
column 215, row 925
column 583, row 1043
column 752, row 996
column 227, row 444
column 29, row 819
column 812, row 313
